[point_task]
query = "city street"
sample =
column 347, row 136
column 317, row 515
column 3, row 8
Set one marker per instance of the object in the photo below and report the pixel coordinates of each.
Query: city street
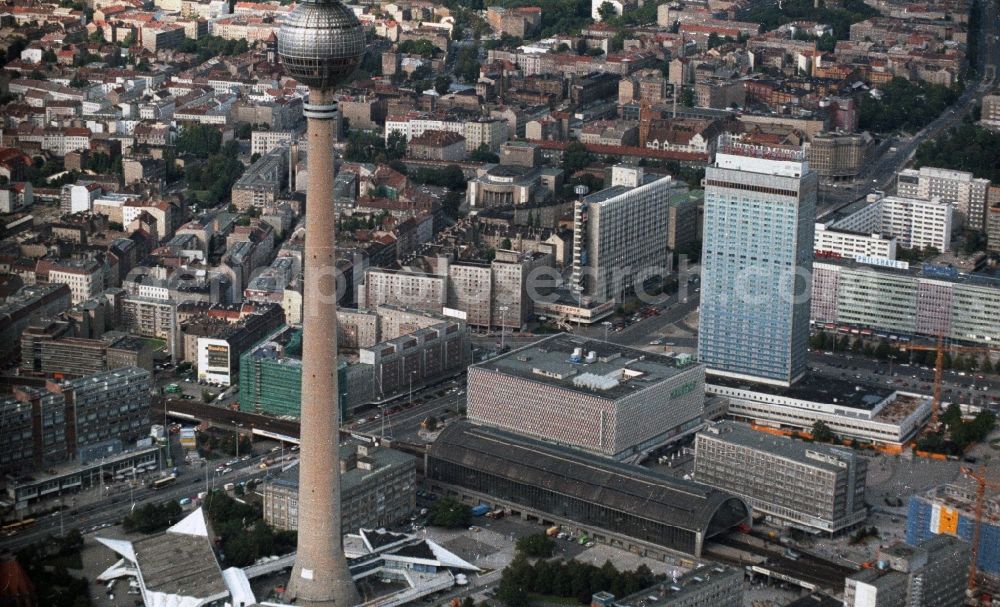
column 93, row 511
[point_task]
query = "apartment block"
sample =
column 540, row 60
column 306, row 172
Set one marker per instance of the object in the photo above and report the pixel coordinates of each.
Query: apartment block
column 808, row 485
column 17, row 312
column 82, row 420
column 418, row 290
column 845, row 243
column 960, row 188
column 913, row 222
column 991, row 111
column 263, row 181
column 839, row 157
column 263, row 142
column 951, row 510
column 619, row 234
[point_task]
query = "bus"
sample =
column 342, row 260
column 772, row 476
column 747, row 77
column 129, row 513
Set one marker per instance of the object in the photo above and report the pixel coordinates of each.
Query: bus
column 12, row 528
column 163, row 482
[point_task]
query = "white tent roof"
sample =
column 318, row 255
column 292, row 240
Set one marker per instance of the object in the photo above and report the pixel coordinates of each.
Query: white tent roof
column 122, row 547
column 192, row 524
column 239, row 587
column 448, row 558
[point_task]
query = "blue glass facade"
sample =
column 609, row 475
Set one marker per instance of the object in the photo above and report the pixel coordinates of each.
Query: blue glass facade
column 919, row 520
column 756, row 266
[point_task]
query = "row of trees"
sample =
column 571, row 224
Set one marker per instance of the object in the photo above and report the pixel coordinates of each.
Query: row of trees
column 215, row 177
column 571, row 579
column 449, row 513
column 968, row 147
column 956, row 435
column 199, row 140
column 151, row 518
column 450, row 177
column 226, row 443
column 47, row 565
column 363, row 146
column 847, row 12
column 884, row 350
column 537, row 545
column 212, row 46
column 244, row 535
column 905, row 105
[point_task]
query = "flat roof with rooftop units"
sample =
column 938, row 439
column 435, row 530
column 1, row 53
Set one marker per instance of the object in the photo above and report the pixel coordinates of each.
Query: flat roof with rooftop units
column 851, row 410
column 589, row 394
column 590, row 366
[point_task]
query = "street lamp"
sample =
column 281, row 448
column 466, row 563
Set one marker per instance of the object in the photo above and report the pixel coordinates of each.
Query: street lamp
column 503, row 325
column 410, row 377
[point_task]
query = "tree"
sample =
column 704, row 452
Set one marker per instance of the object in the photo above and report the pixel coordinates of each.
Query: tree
column 687, row 96
column 484, row 154
column 952, row 416
column 452, row 204
column 49, row 56
column 446, row 512
column 538, row 545
column 581, row 46
column 200, row 140
column 821, row 432
column 395, row 146
column 467, row 63
column 607, row 11
column 442, row 83
column 506, row 244
column 97, row 35
column 618, row 41
column 575, row 157
column 423, row 47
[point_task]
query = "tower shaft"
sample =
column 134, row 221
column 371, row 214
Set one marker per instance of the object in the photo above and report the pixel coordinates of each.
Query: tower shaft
column 320, row 576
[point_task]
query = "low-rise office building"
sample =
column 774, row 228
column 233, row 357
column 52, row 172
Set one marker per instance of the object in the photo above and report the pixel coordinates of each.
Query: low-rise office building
column 377, row 489
column 705, row 586
column 808, row 485
column 864, row 413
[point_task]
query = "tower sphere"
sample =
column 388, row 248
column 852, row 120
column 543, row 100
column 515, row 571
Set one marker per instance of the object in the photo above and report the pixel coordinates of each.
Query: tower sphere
column 321, row 43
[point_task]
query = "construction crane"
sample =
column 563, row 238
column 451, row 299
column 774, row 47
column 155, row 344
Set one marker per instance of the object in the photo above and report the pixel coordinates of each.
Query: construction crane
column 941, row 348
column 977, row 525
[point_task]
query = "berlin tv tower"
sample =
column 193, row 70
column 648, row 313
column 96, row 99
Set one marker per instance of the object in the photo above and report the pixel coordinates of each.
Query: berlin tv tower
column 320, row 43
